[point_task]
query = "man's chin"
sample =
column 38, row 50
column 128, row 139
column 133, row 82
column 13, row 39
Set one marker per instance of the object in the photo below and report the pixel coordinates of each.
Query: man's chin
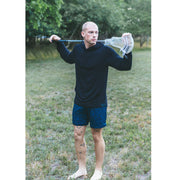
column 93, row 42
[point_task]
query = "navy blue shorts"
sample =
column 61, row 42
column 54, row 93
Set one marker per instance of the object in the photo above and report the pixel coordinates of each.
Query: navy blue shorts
column 96, row 116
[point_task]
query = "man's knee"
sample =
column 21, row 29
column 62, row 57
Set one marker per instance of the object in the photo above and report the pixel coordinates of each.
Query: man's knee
column 78, row 136
column 97, row 135
column 78, row 133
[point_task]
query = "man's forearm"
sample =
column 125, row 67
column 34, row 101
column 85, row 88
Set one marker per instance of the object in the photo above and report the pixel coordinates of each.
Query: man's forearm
column 64, row 52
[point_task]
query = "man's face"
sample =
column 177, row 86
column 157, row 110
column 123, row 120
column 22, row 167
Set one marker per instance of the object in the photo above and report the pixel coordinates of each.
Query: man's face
column 90, row 34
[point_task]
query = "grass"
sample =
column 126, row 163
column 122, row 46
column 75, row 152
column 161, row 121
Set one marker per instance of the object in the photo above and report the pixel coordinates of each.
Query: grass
column 46, row 50
column 41, row 51
column 50, row 152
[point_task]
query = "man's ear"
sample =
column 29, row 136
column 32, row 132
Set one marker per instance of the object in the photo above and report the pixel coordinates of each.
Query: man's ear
column 82, row 34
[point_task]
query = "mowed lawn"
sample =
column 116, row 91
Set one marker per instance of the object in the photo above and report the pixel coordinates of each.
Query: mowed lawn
column 50, row 151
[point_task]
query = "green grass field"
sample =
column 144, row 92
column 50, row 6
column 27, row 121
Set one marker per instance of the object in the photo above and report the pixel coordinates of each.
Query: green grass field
column 50, row 152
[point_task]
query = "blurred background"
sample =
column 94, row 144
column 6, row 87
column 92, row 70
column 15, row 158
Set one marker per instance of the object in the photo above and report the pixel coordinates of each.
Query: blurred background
column 65, row 18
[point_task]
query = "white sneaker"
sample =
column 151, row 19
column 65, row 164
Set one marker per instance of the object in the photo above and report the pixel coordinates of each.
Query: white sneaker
column 79, row 173
column 97, row 175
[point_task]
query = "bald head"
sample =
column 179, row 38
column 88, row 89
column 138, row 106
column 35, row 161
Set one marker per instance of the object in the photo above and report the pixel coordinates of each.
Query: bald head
column 88, row 24
column 89, row 33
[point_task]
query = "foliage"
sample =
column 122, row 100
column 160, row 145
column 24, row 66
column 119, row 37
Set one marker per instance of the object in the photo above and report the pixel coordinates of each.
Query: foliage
column 42, row 17
column 105, row 13
column 137, row 18
column 65, row 18
column 50, row 152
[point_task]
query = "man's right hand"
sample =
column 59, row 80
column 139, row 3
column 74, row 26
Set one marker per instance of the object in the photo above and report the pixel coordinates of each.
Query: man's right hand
column 54, row 38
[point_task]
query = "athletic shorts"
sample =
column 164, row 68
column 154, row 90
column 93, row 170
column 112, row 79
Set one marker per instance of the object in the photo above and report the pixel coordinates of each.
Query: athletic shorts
column 81, row 116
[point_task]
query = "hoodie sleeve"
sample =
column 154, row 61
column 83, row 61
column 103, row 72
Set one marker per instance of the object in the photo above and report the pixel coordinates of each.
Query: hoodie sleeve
column 117, row 62
column 66, row 55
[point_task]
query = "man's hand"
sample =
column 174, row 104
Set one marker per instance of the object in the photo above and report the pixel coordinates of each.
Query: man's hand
column 126, row 34
column 128, row 38
column 129, row 42
column 54, row 38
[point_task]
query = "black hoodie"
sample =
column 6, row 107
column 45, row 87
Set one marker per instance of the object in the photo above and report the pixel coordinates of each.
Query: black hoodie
column 92, row 71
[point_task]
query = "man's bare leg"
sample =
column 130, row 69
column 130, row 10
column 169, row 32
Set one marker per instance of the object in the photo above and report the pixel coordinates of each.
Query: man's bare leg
column 80, row 146
column 99, row 152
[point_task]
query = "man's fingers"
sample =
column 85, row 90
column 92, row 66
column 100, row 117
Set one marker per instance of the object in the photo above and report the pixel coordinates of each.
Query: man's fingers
column 57, row 38
column 54, row 38
column 126, row 34
column 50, row 39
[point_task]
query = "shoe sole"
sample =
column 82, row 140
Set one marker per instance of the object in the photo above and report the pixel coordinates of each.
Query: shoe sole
column 80, row 177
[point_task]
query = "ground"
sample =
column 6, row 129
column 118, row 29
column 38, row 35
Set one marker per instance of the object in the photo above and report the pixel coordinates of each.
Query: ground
column 50, row 152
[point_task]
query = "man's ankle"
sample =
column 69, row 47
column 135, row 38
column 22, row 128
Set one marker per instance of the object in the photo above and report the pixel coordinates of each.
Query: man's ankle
column 82, row 168
column 98, row 169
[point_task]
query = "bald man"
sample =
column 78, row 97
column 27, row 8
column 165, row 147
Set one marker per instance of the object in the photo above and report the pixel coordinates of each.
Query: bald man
column 91, row 60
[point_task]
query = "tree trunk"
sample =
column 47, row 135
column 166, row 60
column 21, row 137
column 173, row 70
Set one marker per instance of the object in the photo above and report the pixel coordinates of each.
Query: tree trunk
column 31, row 42
column 142, row 40
column 147, row 41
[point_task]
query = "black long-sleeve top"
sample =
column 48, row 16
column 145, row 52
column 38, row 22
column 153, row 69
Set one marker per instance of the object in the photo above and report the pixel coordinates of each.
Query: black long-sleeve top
column 91, row 67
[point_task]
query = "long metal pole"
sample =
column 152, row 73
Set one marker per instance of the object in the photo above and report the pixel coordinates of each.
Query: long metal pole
column 79, row 41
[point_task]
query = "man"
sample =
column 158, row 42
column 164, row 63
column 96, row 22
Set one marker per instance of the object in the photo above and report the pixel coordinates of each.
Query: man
column 91, row 60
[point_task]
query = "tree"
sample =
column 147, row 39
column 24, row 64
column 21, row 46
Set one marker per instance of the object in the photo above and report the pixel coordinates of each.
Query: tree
column 42, row 18
column 106, row 14
column 137, row 19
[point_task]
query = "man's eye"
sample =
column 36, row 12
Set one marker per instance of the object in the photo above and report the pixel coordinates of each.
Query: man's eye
column 91, row 32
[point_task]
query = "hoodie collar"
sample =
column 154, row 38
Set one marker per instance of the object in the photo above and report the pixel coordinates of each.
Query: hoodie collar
column 96, row 46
